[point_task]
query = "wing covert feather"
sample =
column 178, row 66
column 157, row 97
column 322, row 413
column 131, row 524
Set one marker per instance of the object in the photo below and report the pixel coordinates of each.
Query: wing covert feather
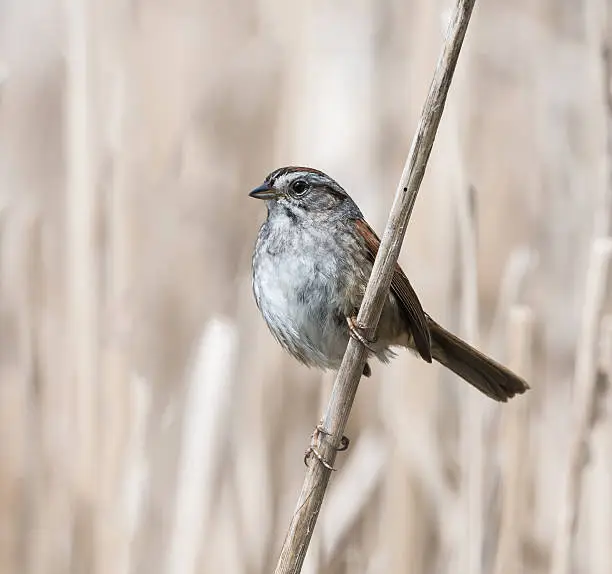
column 405, row 294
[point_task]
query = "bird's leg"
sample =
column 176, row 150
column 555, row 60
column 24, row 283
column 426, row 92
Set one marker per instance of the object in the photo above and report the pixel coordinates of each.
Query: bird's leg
column 314, row 446
column 355, row 329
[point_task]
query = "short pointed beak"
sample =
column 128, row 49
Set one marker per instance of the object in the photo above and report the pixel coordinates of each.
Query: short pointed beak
column 264, row 191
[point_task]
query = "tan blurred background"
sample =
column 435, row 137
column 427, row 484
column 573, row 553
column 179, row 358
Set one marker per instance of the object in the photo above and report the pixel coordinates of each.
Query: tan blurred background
column 148, row 421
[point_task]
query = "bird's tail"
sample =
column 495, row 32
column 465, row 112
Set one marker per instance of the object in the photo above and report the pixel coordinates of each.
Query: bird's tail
column 488, row 376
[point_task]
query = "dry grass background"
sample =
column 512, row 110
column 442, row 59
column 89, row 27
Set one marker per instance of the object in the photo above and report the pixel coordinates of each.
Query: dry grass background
column 148, row 421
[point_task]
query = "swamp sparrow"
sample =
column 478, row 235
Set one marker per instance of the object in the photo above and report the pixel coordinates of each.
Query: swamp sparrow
column 312, row 261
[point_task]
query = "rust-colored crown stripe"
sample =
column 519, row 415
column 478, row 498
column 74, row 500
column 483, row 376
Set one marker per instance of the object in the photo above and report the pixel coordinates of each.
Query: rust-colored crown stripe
column 292, row 169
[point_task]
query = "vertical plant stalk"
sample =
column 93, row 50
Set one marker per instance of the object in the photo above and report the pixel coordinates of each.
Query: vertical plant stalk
column 605, row 350
column 468, row 548
column 472, row 415
column 586, row 393
column 514, row 441
column 604, row 212
column 81, row 204
column 600, row 496
column 206, row 410
column 309, row 504
column 121, row 396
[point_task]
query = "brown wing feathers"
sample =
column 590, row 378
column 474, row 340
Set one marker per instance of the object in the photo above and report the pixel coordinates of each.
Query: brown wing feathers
column 402, row 289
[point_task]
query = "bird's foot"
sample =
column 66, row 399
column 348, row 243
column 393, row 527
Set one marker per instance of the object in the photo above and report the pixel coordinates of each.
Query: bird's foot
column 313, row 449
column 356, row 330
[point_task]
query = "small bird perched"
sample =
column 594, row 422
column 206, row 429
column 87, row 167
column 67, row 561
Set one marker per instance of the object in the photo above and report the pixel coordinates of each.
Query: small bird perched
column 312, row 261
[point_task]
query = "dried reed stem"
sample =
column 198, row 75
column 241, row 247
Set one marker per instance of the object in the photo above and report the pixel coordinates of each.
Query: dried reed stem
column 468, row 549
column 599, row 492
column 472, row 417
column 604, row 212
column 135, row 475
column 82, row 280
column 345, row 387
column 605, row 348
column 202, row 452
column 515, row 433
column 586, row 395
column 4, row 74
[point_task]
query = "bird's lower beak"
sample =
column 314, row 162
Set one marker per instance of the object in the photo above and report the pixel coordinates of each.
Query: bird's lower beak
column 264, row 191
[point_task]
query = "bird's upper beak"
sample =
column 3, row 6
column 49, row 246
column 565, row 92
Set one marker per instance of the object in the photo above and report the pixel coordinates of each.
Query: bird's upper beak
column 264, row 191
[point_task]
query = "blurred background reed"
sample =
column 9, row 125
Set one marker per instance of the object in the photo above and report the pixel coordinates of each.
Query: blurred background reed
column 148, row 421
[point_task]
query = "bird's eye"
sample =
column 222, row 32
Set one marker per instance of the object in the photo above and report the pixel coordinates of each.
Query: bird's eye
column 299, row 187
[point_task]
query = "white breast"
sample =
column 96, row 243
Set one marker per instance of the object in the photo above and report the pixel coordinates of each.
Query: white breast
column 295, row 282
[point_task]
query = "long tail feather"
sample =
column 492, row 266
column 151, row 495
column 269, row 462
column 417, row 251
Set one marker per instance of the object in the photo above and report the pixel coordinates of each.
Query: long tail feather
column 487, row 375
